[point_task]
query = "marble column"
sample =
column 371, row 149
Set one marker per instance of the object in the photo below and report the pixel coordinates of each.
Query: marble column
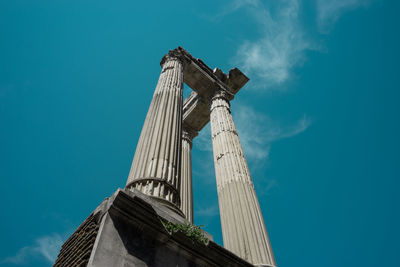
column 155, row 169
column 186, row 190
column 243, row 227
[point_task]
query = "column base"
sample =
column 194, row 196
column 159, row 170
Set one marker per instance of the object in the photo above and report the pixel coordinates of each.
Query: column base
column 170, row 197
column 162, row 201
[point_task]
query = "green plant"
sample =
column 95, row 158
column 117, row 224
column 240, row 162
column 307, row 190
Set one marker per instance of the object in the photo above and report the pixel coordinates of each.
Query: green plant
column 193, row 232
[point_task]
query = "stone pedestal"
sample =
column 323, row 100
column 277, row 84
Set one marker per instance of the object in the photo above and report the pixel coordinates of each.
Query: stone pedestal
column 242, row 223
column 156, row 164
column 126, row 230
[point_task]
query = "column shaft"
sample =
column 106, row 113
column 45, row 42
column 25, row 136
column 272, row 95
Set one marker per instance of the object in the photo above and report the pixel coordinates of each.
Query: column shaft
column 156, row 165
column 243, row 227
column 186, row 174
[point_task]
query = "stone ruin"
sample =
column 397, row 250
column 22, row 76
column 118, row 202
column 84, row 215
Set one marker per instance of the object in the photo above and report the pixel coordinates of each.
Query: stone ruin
column 129, row 228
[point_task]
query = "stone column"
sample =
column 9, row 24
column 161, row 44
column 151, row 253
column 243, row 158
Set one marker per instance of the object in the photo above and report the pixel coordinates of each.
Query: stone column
column 155, row 169
column 186, row 173
column 242, row 223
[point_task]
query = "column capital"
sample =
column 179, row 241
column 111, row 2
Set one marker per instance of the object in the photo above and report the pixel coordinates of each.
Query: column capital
column 175, row 54
column 188, row 134
column 220, row 98
column 221, row 94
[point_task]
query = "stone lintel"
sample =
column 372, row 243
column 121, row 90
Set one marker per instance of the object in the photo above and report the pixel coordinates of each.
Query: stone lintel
column 196, row 112
column 204, row 81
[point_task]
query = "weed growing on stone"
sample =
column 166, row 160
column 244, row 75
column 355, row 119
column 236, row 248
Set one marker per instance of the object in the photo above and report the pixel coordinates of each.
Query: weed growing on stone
column 193, row 232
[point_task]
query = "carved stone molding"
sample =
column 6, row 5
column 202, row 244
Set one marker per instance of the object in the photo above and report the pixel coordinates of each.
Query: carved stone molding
column 173, row 54
column 188, row 134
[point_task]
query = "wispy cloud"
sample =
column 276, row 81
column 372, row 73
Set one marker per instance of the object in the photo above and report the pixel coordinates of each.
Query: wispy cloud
column 269, row 59
column 329, row 11
column 257, row 131
column 203, row 140
column 46, row 247
column 282, row 44
column 209, row 211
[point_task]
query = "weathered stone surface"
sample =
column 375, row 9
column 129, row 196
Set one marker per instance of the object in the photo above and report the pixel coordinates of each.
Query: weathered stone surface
column 243, row 227
column 196, row 112
column 130, row 233
column 156, row 164
column 76, row 250
column 204, row 81
column 126, row 229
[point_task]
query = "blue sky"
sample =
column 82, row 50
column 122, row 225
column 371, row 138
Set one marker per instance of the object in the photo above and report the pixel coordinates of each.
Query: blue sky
column 319, row 120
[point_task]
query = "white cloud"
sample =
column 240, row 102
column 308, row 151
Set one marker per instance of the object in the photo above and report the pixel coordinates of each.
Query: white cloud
column 257, row 131
column 281, row 46
column 49, row 246
column 329, row 11
column 233, row 6
column 19, row 258
column 46, row 247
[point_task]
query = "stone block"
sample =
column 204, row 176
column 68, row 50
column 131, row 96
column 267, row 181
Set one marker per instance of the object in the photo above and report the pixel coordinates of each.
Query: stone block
column 129, row 232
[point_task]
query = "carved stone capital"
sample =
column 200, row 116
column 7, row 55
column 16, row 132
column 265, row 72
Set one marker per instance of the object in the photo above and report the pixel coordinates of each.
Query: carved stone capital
column 188, row 134
column 175, row 54
column 220, row 98
column 220, row 94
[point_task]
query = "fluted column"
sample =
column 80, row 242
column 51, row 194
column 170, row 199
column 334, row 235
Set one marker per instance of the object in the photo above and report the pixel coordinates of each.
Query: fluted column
column 186, row 190
column 243, row 227
column 156, row 165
